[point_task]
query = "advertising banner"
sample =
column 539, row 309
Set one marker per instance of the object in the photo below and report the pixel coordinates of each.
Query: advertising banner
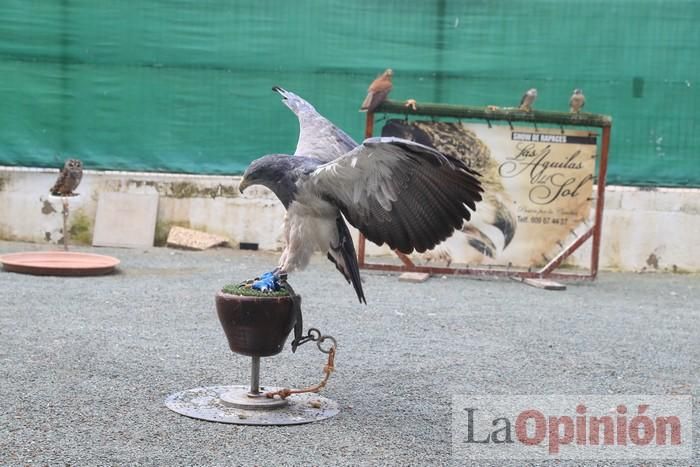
column 537, row 189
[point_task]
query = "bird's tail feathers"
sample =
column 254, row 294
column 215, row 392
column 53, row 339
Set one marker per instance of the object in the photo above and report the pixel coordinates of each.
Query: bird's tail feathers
column 345, row 259
column 367, row 102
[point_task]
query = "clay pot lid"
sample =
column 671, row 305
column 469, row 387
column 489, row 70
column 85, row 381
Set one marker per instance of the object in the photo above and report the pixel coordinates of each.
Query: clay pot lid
column 59, row 263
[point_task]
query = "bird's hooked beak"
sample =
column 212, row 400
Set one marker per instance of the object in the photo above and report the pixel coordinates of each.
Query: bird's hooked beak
column 288, row 98
column 245, row 183
column 280, row 91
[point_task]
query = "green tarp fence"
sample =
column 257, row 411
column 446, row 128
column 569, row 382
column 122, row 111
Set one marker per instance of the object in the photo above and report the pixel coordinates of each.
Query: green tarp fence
column 184, row 85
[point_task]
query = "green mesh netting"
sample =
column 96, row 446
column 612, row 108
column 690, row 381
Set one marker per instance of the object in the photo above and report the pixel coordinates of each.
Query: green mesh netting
column 184, row 86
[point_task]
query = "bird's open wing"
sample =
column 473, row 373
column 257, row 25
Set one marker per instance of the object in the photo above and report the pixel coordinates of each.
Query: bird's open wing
column 329, row 141
column 318, row 137
column 400, row 192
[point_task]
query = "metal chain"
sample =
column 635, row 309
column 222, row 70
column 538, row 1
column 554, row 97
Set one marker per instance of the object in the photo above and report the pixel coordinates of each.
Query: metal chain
column 322, row 339
column 314, row 335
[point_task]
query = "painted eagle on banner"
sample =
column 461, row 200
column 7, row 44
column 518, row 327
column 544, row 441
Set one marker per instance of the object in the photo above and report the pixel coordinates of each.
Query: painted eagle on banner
column 493, row 227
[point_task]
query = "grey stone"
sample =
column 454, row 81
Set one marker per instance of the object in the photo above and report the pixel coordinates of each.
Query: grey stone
column 125, row 220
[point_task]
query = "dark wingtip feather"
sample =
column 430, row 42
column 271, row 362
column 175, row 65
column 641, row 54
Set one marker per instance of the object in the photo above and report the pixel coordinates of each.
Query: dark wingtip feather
column 347, row 248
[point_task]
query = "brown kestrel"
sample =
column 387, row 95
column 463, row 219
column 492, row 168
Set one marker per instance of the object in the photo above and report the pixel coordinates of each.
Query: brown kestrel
column 377, row 91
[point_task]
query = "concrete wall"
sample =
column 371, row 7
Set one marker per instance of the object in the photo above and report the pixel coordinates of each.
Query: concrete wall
column 643, row 229
column 212, row 204
column 649, row 229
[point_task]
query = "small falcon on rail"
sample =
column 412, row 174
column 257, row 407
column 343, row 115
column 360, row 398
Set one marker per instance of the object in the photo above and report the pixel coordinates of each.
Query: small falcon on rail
column 378, row 91
column 577, row 101
column 528, row 100
column 394, row 191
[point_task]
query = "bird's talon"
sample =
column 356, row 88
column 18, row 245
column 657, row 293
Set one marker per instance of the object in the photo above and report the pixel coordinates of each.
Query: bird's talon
column 267, row 282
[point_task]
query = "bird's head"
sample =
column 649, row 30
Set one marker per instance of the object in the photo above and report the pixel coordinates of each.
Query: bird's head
column 266, row 171
column 291, row 100
column 532, row 92
column 73, row 164
column 578, row 91
column 388, row 72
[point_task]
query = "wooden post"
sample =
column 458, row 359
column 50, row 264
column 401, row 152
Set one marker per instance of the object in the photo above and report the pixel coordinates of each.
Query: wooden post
column 66, row 234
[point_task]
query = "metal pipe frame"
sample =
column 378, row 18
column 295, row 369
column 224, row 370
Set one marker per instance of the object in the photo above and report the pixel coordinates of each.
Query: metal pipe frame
column 510, row 115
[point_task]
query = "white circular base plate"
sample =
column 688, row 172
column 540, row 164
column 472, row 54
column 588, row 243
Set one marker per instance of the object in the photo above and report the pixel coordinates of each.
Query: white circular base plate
column 205, row 403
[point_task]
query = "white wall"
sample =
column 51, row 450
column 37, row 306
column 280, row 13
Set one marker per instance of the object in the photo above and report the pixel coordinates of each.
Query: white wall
column 642, row 230
column 207, row 203
column 649, row 229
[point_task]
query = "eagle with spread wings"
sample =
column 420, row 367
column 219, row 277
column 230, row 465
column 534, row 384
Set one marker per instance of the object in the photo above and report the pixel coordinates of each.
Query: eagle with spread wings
column 393, row 190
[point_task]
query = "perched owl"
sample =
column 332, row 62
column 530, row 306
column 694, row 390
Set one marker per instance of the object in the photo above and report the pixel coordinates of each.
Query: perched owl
column 68, row 179
column 577, row 101
column 378, row 91
column 528, row 100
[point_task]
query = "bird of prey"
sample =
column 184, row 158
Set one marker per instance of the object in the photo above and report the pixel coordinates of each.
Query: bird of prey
column 577, row 101
column 68, row 179
column 318, row 137
column 528, row 100
column 394, row 191
column 377, row 91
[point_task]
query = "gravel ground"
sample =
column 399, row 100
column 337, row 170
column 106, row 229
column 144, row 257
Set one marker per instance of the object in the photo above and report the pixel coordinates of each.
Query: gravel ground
column 85, row 364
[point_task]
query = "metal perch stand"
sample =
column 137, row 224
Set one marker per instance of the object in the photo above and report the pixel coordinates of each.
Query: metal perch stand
column 66, row 233
column 258, row 327
column 255, row 376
